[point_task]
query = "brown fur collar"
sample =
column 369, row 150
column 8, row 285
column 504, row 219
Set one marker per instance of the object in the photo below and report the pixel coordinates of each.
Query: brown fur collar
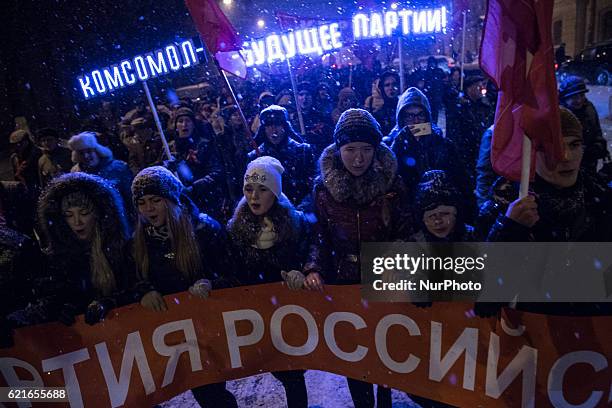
column 343, row 186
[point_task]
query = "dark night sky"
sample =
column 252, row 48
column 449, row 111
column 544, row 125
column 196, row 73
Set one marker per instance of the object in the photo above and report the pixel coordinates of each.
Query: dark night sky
column 45, row 44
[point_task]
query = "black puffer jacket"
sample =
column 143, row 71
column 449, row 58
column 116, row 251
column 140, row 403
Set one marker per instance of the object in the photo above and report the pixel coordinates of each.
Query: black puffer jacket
column 253, row 265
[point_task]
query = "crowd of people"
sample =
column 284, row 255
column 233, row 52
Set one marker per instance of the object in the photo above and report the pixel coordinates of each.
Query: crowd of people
column 289, row 195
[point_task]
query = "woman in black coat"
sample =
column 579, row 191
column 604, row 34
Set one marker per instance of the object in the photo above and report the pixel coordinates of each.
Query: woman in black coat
column 175, row 248
column 88, row 268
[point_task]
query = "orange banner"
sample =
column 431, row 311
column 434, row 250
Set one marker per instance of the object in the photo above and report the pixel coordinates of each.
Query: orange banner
column 139, row 358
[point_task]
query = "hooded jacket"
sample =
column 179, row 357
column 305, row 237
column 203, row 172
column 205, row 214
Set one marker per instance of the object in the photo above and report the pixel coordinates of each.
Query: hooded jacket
column 290, row 251
column 68, row 279
column 386, row 114
column 351, row 210
column 431, row 152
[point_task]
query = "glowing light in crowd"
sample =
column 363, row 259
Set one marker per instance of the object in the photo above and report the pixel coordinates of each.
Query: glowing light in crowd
column 394, row 6
column 171, row 58
column 379, row 25
column 261, row 23
column 227, row 2
column 276, row 47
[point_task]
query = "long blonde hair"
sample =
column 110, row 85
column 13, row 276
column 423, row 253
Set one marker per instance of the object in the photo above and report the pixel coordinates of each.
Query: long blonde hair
column 183, row 241
column 102, row 275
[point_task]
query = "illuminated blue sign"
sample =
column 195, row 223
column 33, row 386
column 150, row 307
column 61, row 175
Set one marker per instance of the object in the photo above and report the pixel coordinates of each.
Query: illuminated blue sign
column 171, row 58
column 326, row 38
column 275, row 48
column 379, row 25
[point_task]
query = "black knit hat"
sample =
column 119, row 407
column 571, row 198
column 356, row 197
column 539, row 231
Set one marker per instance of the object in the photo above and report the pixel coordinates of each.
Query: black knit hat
column 572, row 85
column 158, row 181
column 357, row 125
column 434, row 190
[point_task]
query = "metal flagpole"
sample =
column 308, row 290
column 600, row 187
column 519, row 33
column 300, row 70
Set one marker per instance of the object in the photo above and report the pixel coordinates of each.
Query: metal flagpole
column 244, row 121
column 401, row 62
column 295, row 95
column 463, row 47
column 157, row 122
column 526, row 152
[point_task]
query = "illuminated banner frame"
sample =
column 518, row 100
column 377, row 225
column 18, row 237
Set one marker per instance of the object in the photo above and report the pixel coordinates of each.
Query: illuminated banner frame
column 270, row 49
column 171, row 58
column 326, row 37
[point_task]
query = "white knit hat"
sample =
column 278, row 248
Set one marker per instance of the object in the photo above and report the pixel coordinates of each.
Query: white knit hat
column 87, row 140
column 267, row 171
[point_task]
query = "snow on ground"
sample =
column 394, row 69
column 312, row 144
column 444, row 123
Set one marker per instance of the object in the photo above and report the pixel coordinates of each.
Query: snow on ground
column 325, row 390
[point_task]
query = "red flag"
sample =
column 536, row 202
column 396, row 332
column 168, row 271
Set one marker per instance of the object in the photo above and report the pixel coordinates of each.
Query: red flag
column 214, row 27
column 219, row 35
column 527, row 103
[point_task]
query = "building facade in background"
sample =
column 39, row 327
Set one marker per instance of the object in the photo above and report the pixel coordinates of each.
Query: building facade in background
column 579, row 23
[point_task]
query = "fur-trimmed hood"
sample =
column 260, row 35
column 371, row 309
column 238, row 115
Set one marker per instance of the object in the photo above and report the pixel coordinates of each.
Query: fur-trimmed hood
column 343, row 186
column 108, row 205
column 244, row 226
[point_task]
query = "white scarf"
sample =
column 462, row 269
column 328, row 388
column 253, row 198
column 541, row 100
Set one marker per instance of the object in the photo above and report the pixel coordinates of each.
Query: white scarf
column 267, row 235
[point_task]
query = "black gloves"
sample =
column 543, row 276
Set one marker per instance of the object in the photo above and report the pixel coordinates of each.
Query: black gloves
column 95, row 312
column 67, row 314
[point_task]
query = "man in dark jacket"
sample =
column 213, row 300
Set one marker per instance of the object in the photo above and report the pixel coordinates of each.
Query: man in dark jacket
column 318, row 127
column 296, row 158
column 417, row 150
column 572, row 95
column 434, row 86
column 570, row 206
column 473, row 116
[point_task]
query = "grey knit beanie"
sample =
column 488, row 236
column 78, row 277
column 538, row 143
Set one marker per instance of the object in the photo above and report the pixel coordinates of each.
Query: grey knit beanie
column 158, row 181
column 357, row 125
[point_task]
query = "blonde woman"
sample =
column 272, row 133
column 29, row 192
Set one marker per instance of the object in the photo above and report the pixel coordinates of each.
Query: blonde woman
column 83, row 221
column 175, row 247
